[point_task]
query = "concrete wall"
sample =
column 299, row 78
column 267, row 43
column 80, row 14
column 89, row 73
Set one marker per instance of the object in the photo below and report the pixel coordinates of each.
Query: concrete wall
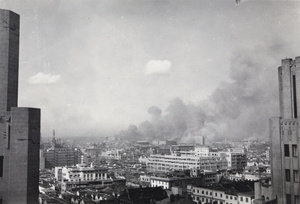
column 285, row 131
column 22, row 186
column 9, row 59
column 19, row 127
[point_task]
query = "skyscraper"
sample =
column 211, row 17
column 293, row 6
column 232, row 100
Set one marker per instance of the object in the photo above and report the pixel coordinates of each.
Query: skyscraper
column 284, row 135
column 19, row 127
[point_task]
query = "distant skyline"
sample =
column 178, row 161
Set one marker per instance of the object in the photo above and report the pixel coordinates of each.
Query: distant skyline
column 94, row 67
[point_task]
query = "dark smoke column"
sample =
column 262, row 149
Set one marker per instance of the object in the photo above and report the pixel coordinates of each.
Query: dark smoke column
column 19, row 127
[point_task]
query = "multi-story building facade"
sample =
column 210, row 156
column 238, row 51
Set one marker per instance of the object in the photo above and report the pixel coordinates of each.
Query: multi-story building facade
column 220, row 195
column 236, row 160
column 284, row 135
column 187, row 157
column 66, row 156
column 48, row 155
column 81, row 177
column 19, row 127
column 167, row 163
column 55, row 157
column 167, row 181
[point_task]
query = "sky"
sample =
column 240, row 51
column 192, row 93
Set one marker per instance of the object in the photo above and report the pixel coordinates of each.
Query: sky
column 95, row 67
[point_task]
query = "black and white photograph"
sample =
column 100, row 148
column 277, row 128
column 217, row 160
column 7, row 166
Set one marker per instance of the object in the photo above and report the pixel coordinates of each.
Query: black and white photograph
column 149, row 101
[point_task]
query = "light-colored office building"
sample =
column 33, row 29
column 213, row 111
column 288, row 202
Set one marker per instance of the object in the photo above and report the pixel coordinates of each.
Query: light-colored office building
column 167, row 163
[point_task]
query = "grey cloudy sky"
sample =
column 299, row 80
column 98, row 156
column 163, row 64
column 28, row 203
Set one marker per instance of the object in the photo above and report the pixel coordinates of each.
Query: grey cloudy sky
column 96, row 66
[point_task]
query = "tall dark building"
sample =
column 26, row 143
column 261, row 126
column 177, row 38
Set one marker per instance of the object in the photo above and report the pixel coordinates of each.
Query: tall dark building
column 56, row 157
column 19, row 127
column 284, row 135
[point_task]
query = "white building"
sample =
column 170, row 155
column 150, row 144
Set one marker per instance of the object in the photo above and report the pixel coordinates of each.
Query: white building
column 187, row 157
column 82, row 176
column 80, row 173
column 179, row 179
column 166, row 163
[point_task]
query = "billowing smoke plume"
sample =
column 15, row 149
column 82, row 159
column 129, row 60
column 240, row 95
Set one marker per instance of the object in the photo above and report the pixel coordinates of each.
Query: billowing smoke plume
column 239, row 108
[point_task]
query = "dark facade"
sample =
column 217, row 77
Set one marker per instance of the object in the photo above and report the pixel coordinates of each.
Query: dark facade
column 142, row 195
column 19, row 127
column 61, row 157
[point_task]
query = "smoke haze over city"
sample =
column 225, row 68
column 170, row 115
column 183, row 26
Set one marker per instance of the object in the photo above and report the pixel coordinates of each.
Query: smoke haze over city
column 154, row 69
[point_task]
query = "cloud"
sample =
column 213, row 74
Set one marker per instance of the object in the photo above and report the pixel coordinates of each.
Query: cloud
column 153, row 110
column 42, row 78
column 158, row 67
column 239, row 107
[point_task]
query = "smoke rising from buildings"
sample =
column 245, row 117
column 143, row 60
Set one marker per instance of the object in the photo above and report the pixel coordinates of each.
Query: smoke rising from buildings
column 113, row 60
column 239, row 108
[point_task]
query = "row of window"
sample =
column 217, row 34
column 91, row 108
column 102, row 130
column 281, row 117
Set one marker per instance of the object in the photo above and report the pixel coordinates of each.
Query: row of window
column 287, row 150
column 288, row 175
column 1, row 166
column 207, row 200
column 289, row 199
column 221, row 195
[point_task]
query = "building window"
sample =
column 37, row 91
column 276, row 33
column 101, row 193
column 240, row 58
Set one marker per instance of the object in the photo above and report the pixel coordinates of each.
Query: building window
column 295, row 96
column 241, row 198
column 286, row 150
column 1, row 166
column 287, row 175
column 296, row 198
column 296, row 176
column 247, row 200
column 288, row 199
column 295, row 150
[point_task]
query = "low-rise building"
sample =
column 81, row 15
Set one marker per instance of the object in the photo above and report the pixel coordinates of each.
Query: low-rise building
column 168, row 182
column 77, row 177
column 230, row 193
column 179, row 179
column 142, row 195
